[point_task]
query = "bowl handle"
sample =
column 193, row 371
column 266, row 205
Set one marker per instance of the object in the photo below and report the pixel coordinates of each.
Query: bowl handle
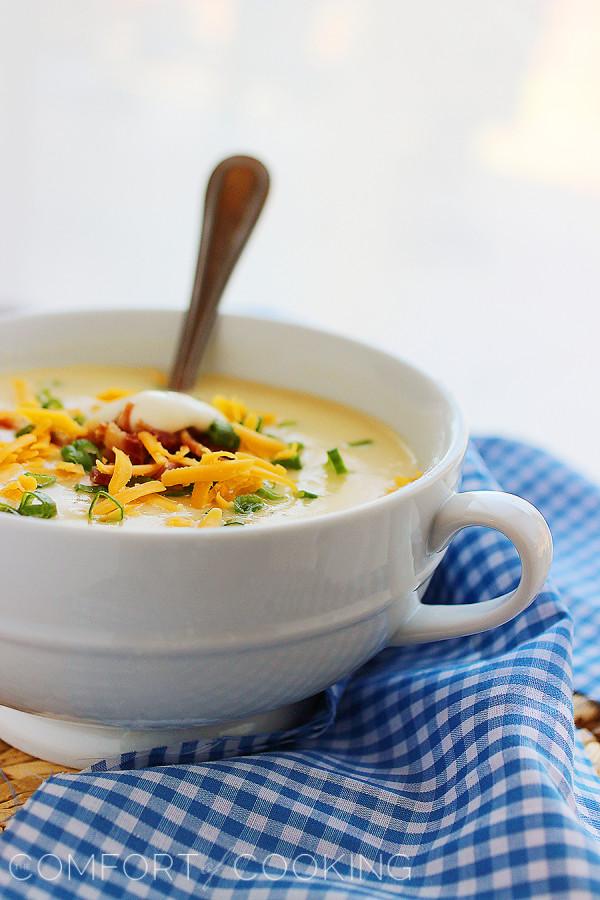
column 523, row 525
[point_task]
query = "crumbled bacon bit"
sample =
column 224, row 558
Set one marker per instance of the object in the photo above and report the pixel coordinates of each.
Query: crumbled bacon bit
column 190, row 441
column 135, row 450
column 98, row 477
column 128, row 443
column 120, row 435
column 124, row 419
column 97, row 434
column 171, row 440
column 113, row 437
column 60, row 438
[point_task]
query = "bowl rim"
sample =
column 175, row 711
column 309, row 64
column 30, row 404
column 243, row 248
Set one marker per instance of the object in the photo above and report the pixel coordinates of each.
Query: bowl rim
column 449, row 460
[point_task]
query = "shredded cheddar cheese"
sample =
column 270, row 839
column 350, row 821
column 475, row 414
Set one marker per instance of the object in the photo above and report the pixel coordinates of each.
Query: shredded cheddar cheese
column 158, row 500
column 112, row 394
column 402, row 480
column 257, row 443
column 212, row 519
column 70, row 469
column 200, row 495
column 154, row 447
column 15, row 448
column 141, row 471
column 12, row 491
column 127, row 495
column 287, row 453
column 251, row 420
column 27, row 482
column 235, row 411
column 9, row 472
column 222, row 503
column 122, row 472
column 24, row 396
column 231, row 407
column 179, row 522
column 55, row 419
column 160, row 454
column 220, row 471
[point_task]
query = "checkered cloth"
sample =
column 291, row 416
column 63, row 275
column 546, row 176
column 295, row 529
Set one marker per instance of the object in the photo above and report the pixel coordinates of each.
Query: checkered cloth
column 443, row 770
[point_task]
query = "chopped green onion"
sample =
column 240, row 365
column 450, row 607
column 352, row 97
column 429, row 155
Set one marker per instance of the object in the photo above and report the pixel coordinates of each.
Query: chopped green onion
column 260, row 423
column 292, row 462
column 267, row 494
column 80, row 419
column 362, row 443
column 104, row 495
column 307, row 495
column 88, row 488
column 42, row 480
column 26, row 429
column 4, row 507
column 232, row 522
column 82, row 452
column 335, row 458
column 247, row 503
column 35, row 503
column 287, row 423
column 47, row 400
column 222, row 435
column 183, row 491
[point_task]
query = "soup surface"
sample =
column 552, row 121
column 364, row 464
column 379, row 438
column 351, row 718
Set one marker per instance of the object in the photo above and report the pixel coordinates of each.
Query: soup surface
column 107, row 445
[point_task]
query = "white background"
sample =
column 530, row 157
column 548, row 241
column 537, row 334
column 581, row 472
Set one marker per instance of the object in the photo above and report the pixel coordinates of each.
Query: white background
column 436, row 176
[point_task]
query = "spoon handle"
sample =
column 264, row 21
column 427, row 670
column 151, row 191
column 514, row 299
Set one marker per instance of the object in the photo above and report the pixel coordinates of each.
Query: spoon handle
column 235, row 196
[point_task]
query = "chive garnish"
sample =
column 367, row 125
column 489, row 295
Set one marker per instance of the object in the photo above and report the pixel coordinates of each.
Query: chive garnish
column 26, row 429
column 48, row 400
column 104, row 495
column 80, row 419
column 41, row 479
column 267, row 494
column 82, row 452
column 88, row 488
column 222, row 435
column 287, row 423
column 247, row 503
column 232, row 522
column 35, row 503
column 335, row 458
column 362, row 443
column 259, row 424
column 6, row 508
column 292, row 462
column 307, row 495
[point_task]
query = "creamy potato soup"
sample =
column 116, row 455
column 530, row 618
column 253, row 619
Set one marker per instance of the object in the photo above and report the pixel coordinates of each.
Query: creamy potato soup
column 109, row 445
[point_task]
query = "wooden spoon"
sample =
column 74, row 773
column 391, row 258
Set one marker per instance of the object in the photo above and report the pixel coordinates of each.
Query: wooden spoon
column 235, row 196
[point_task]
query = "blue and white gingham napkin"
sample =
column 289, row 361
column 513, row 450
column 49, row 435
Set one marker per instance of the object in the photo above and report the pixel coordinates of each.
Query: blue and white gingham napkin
column 444, row 770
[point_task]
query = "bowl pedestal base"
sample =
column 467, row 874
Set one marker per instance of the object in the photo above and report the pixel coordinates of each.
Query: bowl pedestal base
column 80, row 744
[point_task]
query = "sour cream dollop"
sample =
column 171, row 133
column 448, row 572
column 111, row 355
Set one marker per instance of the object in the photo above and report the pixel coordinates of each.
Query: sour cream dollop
column 161, row 411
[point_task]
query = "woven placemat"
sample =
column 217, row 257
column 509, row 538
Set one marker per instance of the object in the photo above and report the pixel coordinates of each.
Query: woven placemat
column 586, row 713
column 21, row 775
